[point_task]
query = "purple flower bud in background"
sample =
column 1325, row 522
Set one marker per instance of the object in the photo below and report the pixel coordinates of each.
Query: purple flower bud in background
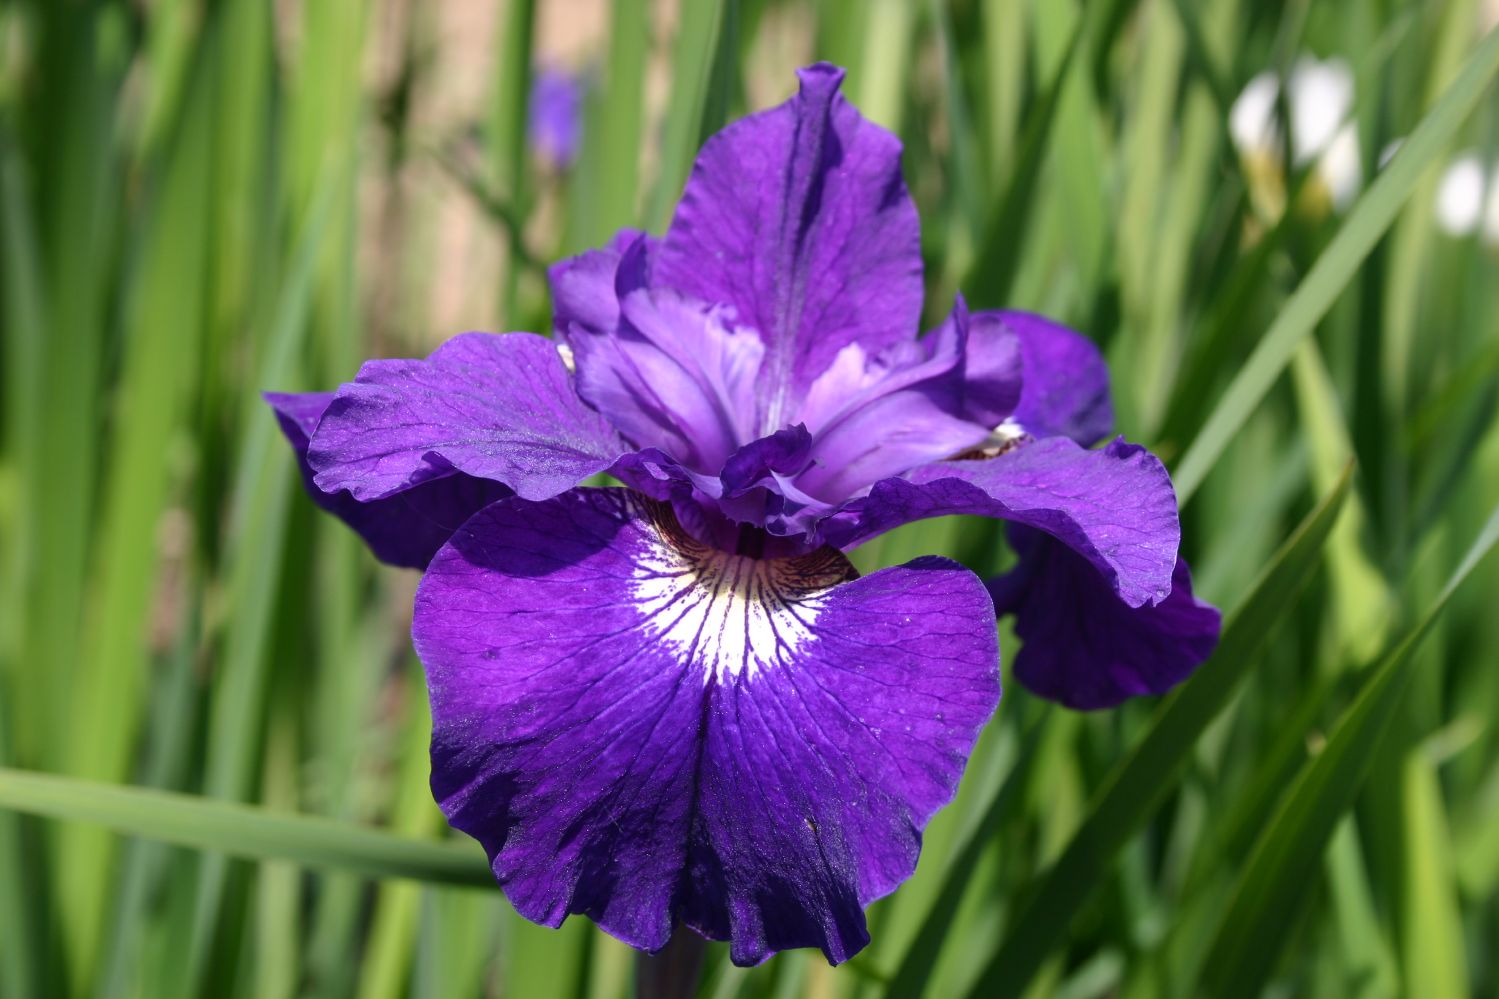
column 676, row 702
column 554, row 125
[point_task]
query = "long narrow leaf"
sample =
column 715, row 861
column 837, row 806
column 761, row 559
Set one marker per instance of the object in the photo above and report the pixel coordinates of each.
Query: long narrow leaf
column 1281, row 869
column 1139, row 783
column 241, row 830
column 1370, row 218
column 697, row 69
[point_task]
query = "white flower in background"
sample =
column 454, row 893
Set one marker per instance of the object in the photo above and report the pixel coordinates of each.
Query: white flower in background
column 1468, row 200
column 1319, row 102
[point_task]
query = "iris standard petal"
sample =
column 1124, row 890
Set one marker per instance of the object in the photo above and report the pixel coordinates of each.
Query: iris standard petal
column 1064, row 383
column 871, row 418
column 405, row 529
column 1114, row 506
column 798, row 218
column 498, row 407
column 583, row 290
column 1081, row 644
column 648, row 731
column 672, row 373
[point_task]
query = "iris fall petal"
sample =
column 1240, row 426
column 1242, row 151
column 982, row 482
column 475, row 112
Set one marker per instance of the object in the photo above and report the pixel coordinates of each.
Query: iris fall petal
column 645, row 730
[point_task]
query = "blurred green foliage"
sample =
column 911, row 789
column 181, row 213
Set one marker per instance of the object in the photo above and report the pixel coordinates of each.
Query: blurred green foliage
column 201, row 199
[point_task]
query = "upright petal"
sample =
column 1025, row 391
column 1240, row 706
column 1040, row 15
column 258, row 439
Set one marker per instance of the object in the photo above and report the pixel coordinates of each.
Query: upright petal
column 1085, row 647
column 799, row 219
column 1064, row 381
column 583, row 291
column 1115, row 507
column 672, row 373
column 406, row 529
column 646, row 731
column 498, row 407
column 915, row 403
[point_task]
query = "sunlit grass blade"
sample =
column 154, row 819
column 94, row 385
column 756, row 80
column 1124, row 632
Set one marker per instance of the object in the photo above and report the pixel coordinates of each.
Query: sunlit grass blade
column 879, row 86
column 23, row 303
column 1433, row 945
column 75, row 219
column 243, row 830
column 1281, row 870
column 1136, row 786
column 1368, row 221
column 1075, row 155
column 1004, row 77
column 164, row 318
column 700, row 76
column 277, row 899
column 1411, row 241
column 262, row 492
column 608, row 184
column 173, row 718
column 386, row 966
column 1152, row 118
column 1362, row 601
column 916, row 967
column 505, row 139
column 966, row 225
column 998, row 257
column 1369, row 955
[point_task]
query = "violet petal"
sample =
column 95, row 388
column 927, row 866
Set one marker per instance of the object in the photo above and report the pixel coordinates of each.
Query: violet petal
column 871, row 418
column 498, row 407
column 1065, row 383
column 1082, row 645
column 798, row 218
column 583, row 287
column 1114, row 506
column 646, row 731
column 672, row 373
column 405, row 529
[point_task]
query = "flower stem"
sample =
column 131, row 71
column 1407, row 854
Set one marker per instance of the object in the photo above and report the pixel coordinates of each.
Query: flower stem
column 673, row 972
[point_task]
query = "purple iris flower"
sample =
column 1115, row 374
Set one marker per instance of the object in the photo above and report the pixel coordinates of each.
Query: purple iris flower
column 554, row 121
column 675, row 702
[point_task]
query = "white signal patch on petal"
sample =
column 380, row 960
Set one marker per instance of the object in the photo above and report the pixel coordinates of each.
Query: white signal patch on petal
column 731, row 616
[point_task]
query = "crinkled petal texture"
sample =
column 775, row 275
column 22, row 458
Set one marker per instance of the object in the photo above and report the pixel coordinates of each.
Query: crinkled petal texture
column 405, row 529
column 799, row 219
column 1115, row 506
column 494, row 406
column 1085, row 647
column 647, row 731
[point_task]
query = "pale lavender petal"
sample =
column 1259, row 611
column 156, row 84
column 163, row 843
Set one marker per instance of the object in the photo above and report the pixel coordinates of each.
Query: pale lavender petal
column 672, row 373
column 405, row 529
column 871, row 418
column 498, row 407
column 1065, row 387
column 1085, row 647
column 1114, row 506
column 646, row 731
column 799, row 219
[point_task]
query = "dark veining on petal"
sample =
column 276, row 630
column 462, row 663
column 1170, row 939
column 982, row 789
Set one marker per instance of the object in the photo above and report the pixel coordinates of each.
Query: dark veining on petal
column 731, row 612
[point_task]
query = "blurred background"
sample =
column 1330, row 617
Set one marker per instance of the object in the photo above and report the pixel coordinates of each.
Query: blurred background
column 203, row 199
